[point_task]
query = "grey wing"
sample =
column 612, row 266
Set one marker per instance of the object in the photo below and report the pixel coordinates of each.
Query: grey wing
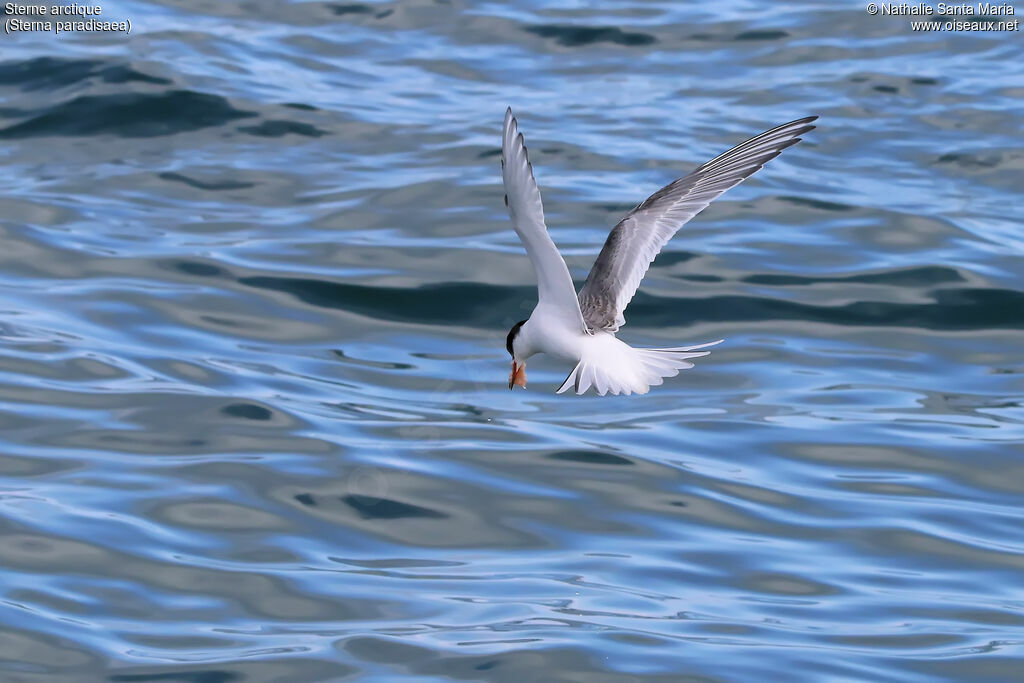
column 640, row 235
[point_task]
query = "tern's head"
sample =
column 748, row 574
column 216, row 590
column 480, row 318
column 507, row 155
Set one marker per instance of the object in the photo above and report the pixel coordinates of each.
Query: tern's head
column 518, row 376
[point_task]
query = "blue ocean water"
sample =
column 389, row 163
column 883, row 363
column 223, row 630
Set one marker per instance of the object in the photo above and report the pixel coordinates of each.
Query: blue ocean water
column 255, row 279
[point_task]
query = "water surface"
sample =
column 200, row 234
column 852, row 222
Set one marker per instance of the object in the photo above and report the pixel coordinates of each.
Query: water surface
column 255, row 279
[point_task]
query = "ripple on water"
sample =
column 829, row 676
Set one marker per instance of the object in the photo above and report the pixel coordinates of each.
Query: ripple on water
column 256, row 279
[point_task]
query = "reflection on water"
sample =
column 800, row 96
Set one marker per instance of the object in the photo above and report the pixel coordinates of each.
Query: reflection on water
column 256, row 280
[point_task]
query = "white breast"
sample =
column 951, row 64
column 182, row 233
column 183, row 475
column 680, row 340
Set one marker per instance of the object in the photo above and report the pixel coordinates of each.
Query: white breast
column 547, row 331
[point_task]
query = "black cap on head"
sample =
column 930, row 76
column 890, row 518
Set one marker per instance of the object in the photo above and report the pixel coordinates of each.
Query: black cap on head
column 512, row 335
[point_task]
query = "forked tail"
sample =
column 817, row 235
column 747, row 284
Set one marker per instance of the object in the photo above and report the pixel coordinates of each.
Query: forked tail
column 612, row 366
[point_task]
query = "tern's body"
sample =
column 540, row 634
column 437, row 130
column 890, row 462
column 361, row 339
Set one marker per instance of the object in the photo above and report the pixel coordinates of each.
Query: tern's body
column 581, row 328
column 546, row 332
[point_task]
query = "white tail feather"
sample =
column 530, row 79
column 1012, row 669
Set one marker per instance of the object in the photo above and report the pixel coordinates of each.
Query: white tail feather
column 612, row 366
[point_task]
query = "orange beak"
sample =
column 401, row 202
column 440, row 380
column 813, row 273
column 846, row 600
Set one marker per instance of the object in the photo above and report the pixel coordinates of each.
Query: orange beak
column 518, row 376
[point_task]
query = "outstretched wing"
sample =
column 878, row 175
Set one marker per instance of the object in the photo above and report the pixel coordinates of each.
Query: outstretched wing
column 641, row 234
column 554, row 284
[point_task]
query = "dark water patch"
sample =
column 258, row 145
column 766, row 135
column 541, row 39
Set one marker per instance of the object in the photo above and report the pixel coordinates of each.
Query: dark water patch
column 702, row 278
column 761, row 35
column 280, row 128
column 228, row 323
column 616, row 208
column 495, row 152
column 306, row 499
column 300, row 106
column 371, row 507
column 446, row 303
column 672, row 258
column 351, row 8
column 589, row 458
column 396, row 563
column 247, row 411
column 208, row 676
column 279, row 663
column 817, row 204
column 201, row 185
column 148, row 443
column 972, row 159
column 357, row 9
column 578, row 36
column 198, row 268
column 338, row 353
column 45, row 73
column 957, row 309
column 129, row 115
column 953, row 308
column 889, row 84
column 904, row 277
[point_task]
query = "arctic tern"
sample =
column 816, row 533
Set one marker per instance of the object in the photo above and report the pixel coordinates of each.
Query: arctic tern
column 581, row 328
